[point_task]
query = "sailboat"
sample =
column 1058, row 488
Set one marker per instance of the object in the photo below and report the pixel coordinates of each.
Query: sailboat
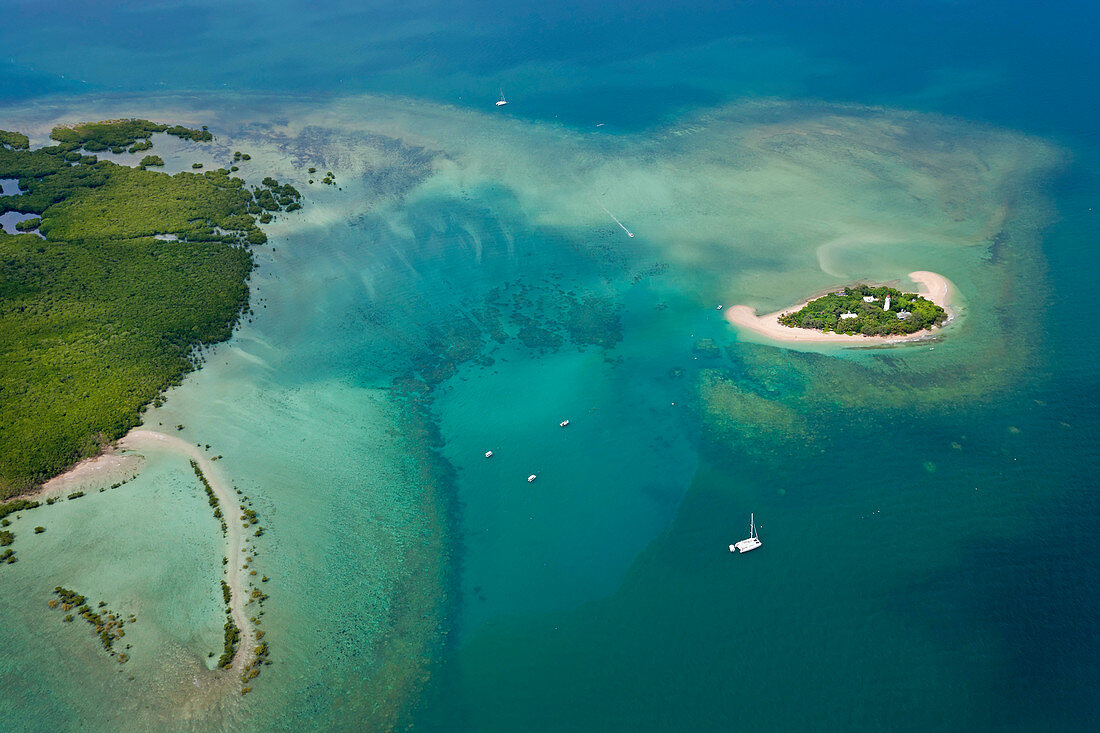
column 752, row 542
column 502, row 101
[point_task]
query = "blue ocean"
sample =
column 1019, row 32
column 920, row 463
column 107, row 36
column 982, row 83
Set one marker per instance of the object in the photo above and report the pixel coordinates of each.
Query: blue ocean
column 928, row 510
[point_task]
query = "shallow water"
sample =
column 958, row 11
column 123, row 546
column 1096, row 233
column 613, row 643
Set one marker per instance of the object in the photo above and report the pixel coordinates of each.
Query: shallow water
column 463, row 290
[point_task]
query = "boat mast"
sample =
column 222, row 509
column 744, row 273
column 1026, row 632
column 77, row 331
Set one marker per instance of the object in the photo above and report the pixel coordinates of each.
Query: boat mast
column 752, row 525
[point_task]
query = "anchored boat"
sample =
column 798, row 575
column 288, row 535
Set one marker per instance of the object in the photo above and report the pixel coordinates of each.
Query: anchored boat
column 502, row 101
column 751, row 542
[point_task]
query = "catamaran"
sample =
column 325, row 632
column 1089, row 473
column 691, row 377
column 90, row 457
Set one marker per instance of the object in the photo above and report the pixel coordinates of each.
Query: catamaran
column 502, row 101
column 752, row 542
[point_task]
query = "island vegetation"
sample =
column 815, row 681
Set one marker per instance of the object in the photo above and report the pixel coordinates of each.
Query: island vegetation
column 14, row 140
column 12, row 507
column 108, row 625
column 232, row 638
column 862, row 310
column 212, row 499
column 99, row 316
column 121, row 135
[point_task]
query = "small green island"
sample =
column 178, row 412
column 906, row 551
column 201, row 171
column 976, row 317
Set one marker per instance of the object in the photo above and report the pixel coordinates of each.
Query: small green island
column 869, row 311
column 110, row 291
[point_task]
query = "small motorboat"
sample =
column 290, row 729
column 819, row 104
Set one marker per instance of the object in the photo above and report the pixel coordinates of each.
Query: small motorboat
column 719, row 307
column 488, row 454
column 751, row 542
column 531, row 478
column 564, row 423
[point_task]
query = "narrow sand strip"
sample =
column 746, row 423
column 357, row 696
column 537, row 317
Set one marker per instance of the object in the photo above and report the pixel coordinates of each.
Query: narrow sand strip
column 135, row 440
column 931, row 285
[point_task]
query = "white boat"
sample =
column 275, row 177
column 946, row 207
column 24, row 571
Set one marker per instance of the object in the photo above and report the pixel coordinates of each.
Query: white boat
column 563, row 423
column 751, row 543
column 488, row 454
column 502, row 100
column 531, row 478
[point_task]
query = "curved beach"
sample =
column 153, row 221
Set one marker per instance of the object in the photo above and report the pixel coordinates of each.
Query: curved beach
column 931, row 285
column 135, row 440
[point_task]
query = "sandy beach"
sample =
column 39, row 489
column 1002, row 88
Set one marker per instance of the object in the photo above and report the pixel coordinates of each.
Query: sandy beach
column 107, row 468
column 933, row 286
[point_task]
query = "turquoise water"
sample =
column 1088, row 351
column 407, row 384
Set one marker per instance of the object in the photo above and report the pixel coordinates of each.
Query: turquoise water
column 926, row 510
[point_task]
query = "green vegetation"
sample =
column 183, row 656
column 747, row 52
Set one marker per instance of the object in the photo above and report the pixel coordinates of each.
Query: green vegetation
column 12, row 507
column 39, row 530
column 259, row 657
column 908, row 312
column 14, row 140
column 115, row 135
column 187, row 133
column 196, row 165
column 28, row 225
column 151, row 160
column 210, row 497
column 6, row 538
column 107, row 624
column 232, row 638
column 100, row 318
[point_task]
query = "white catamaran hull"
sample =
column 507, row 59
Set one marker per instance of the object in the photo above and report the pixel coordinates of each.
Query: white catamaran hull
column 746, row 545
column 749, row 543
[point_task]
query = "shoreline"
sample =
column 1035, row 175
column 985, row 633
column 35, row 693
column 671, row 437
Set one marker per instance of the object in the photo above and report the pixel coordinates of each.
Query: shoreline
column 109, row 466
column 930, row 285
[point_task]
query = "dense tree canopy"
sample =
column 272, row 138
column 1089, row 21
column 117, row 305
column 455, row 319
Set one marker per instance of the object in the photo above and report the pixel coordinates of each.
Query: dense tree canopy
column 908, row 312
column 15, row 140
column 98, row 319
column 117, row 135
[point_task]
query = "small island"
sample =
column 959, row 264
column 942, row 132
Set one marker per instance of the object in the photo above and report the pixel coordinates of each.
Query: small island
column 869, row 311
column 860, row 314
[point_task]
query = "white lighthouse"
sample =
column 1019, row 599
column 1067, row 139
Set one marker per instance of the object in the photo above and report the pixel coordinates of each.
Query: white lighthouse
column 886, row 306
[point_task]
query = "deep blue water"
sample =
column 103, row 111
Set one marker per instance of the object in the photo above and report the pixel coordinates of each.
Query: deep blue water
column 1013, row 63
column 1003, row 635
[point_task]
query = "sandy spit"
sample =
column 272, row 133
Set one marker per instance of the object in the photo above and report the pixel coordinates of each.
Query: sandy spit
column 136, row 440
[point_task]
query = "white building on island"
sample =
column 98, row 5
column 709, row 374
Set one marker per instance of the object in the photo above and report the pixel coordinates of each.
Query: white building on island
column 849, row 315
column 868, row 299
